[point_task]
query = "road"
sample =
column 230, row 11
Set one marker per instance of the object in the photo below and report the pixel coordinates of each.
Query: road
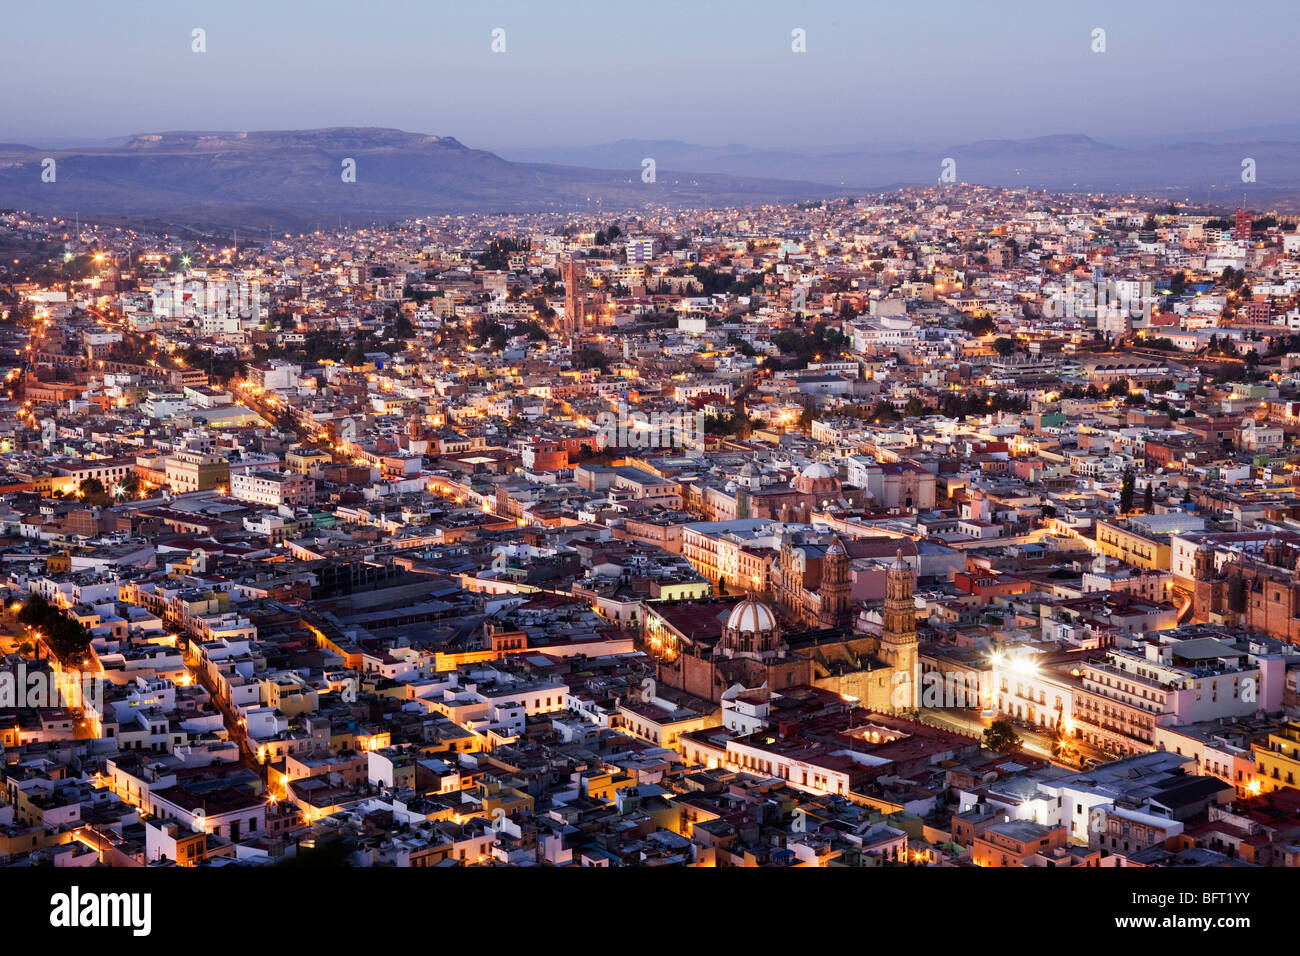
column 271, row 410
column 230, row 716
column 970, row 722
column 11, row 636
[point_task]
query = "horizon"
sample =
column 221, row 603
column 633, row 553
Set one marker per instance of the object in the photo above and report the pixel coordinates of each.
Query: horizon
column 1249, row 134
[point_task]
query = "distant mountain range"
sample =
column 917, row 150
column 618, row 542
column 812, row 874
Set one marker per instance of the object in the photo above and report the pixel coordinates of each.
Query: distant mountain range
column 291, row 180
column 1201, row 167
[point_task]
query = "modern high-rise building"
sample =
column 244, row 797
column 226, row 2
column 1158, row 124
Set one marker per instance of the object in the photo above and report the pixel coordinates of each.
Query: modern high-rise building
column 1241, row 225
column 640, row 249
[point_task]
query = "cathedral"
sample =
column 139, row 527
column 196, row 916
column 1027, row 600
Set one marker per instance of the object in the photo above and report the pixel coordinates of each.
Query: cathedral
column 810, row 583
column 752, row 649
column 1258, row 592
column 811, row 579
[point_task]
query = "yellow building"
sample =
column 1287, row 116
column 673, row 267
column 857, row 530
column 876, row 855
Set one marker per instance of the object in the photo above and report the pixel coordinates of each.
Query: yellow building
column 683, row 590
column 18, row 839
column 507, row 799
column 664, row 726
column 603, row 785
column 1132, row 547
column 195, row 471
column 1277, row 763
column 290, row 696
column 300, row 461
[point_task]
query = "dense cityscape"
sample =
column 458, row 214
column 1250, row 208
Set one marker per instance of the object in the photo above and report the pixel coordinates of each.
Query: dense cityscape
column 951, row 526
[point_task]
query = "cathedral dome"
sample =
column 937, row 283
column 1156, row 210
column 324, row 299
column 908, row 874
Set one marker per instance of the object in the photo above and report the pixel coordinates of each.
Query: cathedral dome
column 818, row 469
column 751, row 615
column 816, row 479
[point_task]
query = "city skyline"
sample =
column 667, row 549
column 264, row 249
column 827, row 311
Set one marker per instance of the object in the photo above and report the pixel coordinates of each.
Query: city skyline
column 512, row 436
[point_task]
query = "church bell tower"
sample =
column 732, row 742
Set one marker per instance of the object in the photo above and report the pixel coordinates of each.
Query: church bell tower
column 898, row 645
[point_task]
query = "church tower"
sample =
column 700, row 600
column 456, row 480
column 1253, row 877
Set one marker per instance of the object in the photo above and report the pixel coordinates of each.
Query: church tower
column 834, row 590
column 898, row 646
column 574, row 301
column 1204, row 585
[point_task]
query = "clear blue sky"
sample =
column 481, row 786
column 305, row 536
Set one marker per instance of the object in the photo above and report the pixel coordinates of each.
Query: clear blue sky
column 706, row 71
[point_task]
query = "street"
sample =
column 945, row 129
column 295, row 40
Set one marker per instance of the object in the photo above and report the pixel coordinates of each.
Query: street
column 1039, row 744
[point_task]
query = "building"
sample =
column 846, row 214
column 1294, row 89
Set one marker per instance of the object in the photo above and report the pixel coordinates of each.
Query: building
column 274, row 488
column 188, row 471
column 898, row 644
column 575, row 303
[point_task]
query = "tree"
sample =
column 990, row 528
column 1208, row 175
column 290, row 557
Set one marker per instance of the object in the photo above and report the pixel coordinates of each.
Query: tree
column 497, row 255
column 1148, row 499
column 129, row 488
column 1001, row 737
column 1004, row 346
column 883, row 412
column 92, row 490
column 787, row 341
column 589, row 358
column 1126, row 491
column 531, row 329
column 66, row 638
column 402, row 327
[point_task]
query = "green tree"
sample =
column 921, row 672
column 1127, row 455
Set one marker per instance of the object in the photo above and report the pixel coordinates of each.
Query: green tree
column 883, row 412
column 1001, row 737
column 92, row 491
column 1004, row 346
column 1126, row 491
column 66, row 638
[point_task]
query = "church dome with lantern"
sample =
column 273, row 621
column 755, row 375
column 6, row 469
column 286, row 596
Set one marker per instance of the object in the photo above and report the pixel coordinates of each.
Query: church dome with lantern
column 817, row 479
column 751, row 630
column 751, row 615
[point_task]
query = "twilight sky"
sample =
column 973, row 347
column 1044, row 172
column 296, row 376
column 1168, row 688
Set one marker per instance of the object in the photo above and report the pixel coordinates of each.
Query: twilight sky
column 577, row 72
